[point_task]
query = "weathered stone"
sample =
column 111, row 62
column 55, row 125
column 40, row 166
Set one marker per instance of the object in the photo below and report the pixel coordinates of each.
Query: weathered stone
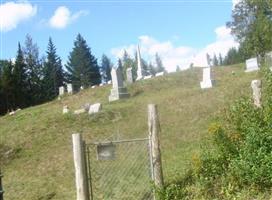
column 159, row 74
column 256, row 90
column 109, row 82
column 95, row 108
column 129, row 75
column 86, row 106
column 69, row 88
column 118, row 90
column 65, row 110
column 79, row 111
column 61, row 91
column 252, row 65
column 206, row 82
column 81, row 88
column 93, row 86
column 148, row 77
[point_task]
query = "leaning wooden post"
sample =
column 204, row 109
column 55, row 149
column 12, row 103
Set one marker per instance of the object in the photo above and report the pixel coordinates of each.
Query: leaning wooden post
column 1, row 187
column 154, row 130
column 80, row 168
column 256, row 92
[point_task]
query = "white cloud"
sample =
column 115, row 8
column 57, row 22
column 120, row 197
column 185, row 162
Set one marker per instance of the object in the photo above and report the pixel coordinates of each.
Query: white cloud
column 63, row 17
column 179, row 55
column 234, row 2
column 11, row 14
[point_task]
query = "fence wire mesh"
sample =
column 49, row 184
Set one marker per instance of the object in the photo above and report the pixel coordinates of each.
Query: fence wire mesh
column 120, row 170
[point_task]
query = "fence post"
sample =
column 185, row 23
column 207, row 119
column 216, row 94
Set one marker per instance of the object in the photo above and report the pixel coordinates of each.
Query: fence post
column 154, row 129
column 1, row 187
column 80, row 168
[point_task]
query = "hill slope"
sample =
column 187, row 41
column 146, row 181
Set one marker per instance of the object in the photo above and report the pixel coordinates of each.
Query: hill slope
column 35, row 144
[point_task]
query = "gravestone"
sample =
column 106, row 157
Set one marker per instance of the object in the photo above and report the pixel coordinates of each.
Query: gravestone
column 95, row 108
column 159, row 74
column 148, row 77
column 118, row 90
column 256, row 90
column 206, row 82
column 140, row 74
column 252, row 65
column 61, row 91
column 65, row 110
column 69, row 88
column 129, row 75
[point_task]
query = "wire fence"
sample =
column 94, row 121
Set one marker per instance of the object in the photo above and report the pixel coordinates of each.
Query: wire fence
column 119, row 170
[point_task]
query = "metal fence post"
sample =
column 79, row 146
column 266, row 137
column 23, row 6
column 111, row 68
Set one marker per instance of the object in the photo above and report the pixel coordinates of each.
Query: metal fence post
column 80, row 168
column 154, row 129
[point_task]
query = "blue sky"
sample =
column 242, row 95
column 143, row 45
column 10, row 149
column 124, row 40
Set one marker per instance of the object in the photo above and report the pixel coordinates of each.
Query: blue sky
column 182, row 32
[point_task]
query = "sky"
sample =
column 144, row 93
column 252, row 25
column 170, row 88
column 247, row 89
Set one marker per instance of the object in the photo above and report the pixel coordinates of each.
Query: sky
column 180, row 31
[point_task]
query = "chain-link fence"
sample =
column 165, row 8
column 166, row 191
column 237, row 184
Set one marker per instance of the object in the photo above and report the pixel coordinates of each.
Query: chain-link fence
column 120, row 170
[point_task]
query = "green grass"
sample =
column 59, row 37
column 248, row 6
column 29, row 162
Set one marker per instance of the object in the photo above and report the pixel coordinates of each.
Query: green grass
column 35, row 144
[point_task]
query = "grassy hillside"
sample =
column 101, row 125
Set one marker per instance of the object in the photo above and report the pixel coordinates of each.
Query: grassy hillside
column 35, row 144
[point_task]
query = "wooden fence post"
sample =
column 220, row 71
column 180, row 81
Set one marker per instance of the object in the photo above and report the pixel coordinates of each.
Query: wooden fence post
column 80, row 168
column 154, row 130
column 1, row 187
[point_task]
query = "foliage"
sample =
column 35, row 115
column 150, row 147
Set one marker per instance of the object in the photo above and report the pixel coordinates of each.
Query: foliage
column 82, row 65
column 252, row 26
column 53, row 72
column 106, row 66
column 241, row 157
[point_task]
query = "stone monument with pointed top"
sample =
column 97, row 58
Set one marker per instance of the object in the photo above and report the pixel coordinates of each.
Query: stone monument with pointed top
column 118, row 90
column 140, row 74
column 206, row 82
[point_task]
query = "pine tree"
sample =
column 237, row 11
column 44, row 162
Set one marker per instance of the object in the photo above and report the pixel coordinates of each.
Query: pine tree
column 82, row 66
column 220, row 60
column 34, row 72
column 53, row 73
column 208, row 59
column 106, row 66
column 20, row 79
column 215, row 60
column 159, row 65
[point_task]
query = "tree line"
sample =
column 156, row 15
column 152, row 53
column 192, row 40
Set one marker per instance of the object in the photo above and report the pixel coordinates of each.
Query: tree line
column 33, row 79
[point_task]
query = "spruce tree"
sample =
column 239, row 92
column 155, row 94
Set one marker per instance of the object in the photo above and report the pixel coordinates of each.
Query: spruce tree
column 106, row 66
column 82, row 66
column 20, row 79
column 34, row 69
column 159, row 65
column 215, row 60
column 53, row 73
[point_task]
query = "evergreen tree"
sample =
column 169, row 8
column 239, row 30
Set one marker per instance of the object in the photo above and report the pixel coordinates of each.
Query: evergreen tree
column 82, row 66
column 177, row 68
column 215, row 60
column 53, row 73
column 159, row 65
column 220, row 60
column 127, row 62
column 34, row 71
column 8, row 86
column 20, row 79
column 208, row 57
column 106, row 66
column 152, row 70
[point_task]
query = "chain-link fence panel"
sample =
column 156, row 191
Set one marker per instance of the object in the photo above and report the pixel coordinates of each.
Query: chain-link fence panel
column 120, row 170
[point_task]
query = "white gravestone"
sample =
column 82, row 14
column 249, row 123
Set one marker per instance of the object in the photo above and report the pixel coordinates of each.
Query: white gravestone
column 206, row 82
column 256, row 90
column 252, row 65
column 69, row 88
column 61, row 91
column 118, row 90
column 65, row 110
column 140, row 74
column 159, row 74
column 95, row 108
column 129, row 75
column 148, row 77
